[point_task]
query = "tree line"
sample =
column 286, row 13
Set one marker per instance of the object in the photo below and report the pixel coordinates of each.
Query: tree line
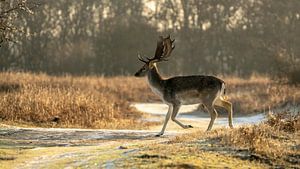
column 104, row 37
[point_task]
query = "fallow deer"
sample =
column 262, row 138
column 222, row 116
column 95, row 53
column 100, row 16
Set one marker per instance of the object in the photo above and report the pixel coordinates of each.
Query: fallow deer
column 181, row 90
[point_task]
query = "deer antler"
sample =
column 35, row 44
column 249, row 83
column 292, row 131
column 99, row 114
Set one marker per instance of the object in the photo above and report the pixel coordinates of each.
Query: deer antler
column 159, row 48
column 141, row 59
column 163, row 50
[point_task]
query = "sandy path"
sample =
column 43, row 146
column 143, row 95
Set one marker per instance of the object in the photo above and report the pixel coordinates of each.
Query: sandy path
column 98, row 148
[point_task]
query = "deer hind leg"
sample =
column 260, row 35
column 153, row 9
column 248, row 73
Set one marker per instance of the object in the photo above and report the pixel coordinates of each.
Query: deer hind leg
column 228, row 106
column 213, row 116
column 166, row 121
column 174, row 114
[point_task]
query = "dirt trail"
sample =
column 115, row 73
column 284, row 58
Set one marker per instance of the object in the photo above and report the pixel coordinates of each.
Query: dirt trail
column 85, row 148
column 56, row 147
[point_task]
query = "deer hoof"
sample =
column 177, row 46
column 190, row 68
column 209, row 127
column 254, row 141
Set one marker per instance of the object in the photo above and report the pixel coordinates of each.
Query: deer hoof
column 188, row 126
column 159, row 134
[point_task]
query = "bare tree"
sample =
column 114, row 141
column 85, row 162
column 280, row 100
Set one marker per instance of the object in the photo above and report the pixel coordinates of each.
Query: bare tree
column 9, row 14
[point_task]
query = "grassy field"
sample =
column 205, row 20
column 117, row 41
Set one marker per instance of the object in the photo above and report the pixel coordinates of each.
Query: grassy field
column 103, row 102
column 40, row 100
column 86, row 102
column 272, row 144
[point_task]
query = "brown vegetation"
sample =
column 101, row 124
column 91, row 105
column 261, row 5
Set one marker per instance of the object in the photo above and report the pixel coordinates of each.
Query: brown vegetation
column 260, row 94
column 103, row 102
column 274, row 143
column 88, row 102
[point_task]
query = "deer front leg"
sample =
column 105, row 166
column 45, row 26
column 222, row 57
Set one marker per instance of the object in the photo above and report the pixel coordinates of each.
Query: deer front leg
column 176, row 108
column 166, row 121
column 213, row 116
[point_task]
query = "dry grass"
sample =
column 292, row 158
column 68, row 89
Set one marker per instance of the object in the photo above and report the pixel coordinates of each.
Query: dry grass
column 87, row 102
column 276, row 142
column 260, row 94
column 103, row 102
column 262, row 139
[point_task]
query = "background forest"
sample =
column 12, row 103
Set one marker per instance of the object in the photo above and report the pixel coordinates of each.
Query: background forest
column 70, row 64
column 229, row 37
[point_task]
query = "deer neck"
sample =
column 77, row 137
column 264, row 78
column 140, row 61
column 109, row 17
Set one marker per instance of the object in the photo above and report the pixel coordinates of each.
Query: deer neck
column 155, row 80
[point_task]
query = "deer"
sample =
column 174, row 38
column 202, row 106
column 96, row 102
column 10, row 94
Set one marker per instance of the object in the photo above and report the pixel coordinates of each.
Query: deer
column 183, row 90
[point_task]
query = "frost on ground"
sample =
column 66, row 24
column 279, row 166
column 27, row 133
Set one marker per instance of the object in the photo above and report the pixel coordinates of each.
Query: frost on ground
column 61, row 137
column 67, row 137
column 191, row 113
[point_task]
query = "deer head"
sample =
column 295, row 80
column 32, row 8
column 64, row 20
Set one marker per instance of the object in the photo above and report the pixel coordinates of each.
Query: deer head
column 163, row 51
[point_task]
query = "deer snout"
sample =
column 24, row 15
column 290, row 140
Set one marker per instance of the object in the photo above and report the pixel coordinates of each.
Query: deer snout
column 138, row 74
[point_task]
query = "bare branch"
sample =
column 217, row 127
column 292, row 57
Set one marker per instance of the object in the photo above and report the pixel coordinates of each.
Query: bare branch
column 8, row 29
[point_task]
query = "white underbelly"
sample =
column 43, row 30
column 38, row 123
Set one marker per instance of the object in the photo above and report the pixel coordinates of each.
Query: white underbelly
column 187, row 101
column 189, row 97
